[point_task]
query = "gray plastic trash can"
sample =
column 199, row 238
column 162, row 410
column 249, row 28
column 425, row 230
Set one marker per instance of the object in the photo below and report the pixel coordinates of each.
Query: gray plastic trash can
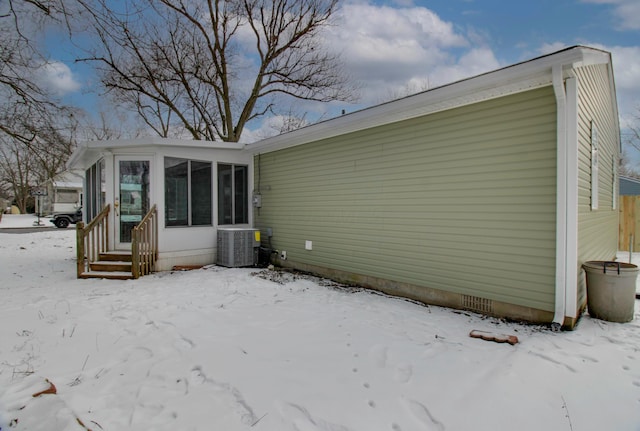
column 611, row 290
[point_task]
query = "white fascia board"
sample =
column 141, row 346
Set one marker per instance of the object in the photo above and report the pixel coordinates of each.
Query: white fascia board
column 154, row 141
column 77, row 160
column 67, row 185
column 89, row 152
column 520, row 77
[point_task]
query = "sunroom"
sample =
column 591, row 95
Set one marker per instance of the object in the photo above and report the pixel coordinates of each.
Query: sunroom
column 153, row 204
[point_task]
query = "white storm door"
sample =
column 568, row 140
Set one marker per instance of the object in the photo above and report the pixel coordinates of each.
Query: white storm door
column 132, row 197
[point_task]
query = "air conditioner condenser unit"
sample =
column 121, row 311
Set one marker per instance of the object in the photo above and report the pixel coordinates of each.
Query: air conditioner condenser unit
column 237, row 247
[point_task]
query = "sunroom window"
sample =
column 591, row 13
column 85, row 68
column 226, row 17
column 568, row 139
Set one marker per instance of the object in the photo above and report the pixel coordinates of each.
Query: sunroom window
column 233, row 195
column 187, row 192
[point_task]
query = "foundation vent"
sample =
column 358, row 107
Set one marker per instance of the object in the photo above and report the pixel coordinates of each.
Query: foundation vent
column 475, row 303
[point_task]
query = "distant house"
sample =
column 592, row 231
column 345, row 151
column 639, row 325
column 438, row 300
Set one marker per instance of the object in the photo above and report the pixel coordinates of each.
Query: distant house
column 629, row 186
column 486, row 194
column 63, row 193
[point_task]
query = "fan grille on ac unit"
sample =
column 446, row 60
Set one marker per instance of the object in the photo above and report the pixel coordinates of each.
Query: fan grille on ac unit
column 236, row 247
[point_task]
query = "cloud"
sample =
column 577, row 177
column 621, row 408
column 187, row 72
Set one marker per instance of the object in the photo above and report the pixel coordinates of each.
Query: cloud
column 389, row 50
column 272, row 126
column 58, row 77
column 626, row 69
column 473, row 62
column 548, row 48
column 627, row 11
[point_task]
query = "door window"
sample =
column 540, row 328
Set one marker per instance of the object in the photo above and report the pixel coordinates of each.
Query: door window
column 134, row 195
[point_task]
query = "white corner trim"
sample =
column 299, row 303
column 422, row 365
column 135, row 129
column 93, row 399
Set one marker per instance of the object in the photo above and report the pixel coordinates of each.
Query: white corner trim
column 566, row 297
column 561, row 196
column 571, row 172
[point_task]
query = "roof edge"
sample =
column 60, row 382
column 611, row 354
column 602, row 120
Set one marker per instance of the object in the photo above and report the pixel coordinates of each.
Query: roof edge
column 87, row 147
column 511, row 79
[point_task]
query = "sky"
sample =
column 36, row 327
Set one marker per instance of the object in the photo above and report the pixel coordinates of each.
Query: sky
column 394, row 47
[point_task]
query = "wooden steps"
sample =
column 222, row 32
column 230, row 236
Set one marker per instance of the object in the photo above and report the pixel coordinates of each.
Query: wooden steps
column 113, row 265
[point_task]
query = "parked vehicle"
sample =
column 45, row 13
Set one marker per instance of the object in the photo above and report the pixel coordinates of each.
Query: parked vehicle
column 63, row 220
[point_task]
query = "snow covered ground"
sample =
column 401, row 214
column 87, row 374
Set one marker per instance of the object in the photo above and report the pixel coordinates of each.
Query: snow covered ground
column 224, row 349
column 23, row 221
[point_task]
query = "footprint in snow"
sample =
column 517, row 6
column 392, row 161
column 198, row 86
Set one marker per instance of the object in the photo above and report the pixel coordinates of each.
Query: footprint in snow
column 421, row 414
column 226, row 391
column 302, row 420
column 197, row 376
column 553, row 360
column 403, row 372
column 183, row 344
column 378, row 355
column 138, row 353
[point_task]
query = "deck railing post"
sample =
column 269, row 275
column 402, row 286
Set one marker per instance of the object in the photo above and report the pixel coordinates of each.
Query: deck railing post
column 80, row 248
column 135, row 253
column 144, row 244
column 91, row 240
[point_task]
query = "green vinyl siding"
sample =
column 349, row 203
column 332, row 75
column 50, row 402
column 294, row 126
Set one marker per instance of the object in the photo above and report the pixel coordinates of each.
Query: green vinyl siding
column 462, row 200
column 597, row 229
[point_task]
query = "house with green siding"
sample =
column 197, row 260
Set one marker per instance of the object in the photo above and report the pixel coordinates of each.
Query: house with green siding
column 486, row 194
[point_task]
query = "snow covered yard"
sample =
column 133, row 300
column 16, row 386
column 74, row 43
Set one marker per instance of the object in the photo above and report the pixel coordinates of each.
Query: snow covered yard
column 224, row 349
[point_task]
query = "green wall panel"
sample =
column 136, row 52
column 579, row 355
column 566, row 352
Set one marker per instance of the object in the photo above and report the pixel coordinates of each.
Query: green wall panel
column 461, row 200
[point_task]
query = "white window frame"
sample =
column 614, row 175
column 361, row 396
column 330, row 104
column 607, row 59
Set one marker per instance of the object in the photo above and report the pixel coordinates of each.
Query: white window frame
column 189, row 202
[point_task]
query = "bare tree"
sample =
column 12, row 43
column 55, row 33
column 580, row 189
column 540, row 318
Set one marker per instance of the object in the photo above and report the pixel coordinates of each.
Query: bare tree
column 631, row 144
column 18, row 53
column 21, row 24
column 16, row 172
column 36, row 150
column 633, row 136
column 108, row 124
column 409, row 88
column 207, row 68
column 37, row 133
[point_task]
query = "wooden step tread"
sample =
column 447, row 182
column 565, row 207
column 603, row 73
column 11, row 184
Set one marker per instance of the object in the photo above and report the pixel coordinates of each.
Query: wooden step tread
column 113, row 275
column 122, row 256
column 111, row 262
column 110, row 266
